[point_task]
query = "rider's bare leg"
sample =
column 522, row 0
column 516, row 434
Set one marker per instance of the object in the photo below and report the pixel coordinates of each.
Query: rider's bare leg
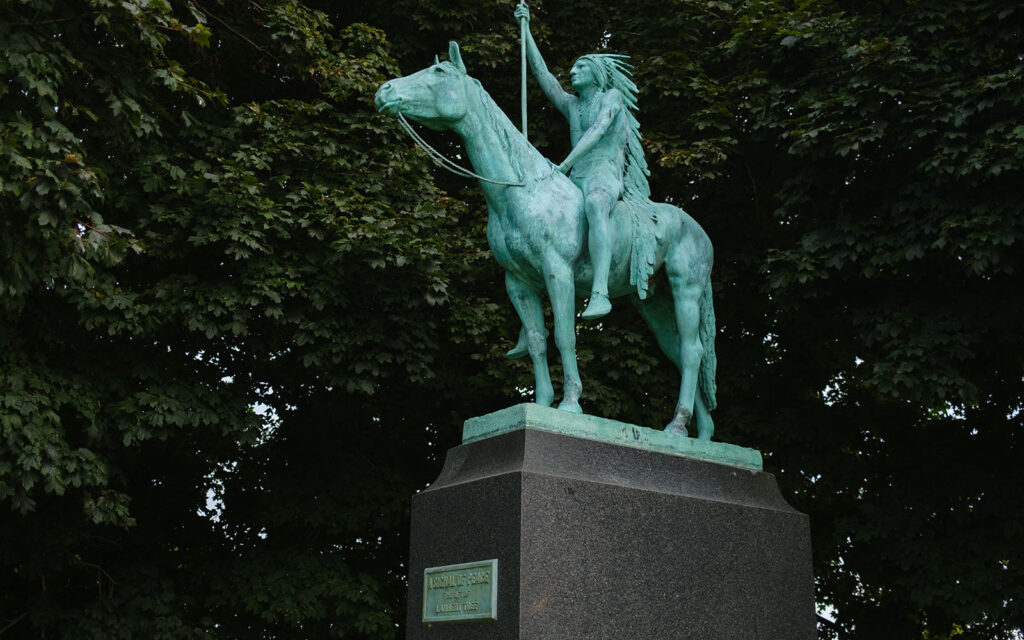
column 599, row 203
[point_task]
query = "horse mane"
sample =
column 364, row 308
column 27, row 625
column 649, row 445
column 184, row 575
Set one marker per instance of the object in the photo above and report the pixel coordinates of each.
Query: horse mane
column 521, row 151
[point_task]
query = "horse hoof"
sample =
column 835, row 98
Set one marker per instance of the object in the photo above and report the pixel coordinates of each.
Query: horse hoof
column 598, row 308
column 679, row 422
column 571, row 407
column 675, row 429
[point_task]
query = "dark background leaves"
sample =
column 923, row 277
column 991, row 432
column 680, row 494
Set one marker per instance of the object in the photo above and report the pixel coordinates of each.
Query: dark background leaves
column 243, row 318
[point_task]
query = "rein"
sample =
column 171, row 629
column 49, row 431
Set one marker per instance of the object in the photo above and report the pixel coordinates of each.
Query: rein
column 438, row 158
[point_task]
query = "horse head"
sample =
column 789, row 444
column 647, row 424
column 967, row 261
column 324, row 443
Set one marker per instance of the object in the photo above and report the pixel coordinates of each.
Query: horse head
column 436, row 97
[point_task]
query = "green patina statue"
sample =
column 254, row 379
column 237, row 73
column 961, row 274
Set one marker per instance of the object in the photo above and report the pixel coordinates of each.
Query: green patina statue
column 595, row 231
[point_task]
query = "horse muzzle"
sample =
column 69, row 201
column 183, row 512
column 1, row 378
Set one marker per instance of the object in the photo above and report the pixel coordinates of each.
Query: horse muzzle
column 387, row 100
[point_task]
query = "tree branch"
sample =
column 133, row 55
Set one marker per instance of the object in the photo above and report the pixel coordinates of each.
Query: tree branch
column 232, row 30
column 12, row 623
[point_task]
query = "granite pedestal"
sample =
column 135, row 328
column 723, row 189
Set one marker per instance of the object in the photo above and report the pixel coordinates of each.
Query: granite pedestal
column 598, row 540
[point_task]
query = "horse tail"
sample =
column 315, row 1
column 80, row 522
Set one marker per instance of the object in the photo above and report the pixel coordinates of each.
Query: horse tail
column 709, row 362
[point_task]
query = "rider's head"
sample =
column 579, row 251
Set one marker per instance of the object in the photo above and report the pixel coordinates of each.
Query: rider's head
column 589, row 71
column 603, row 67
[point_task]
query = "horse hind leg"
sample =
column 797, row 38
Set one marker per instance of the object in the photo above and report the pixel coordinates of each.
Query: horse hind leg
column 686, row 298
column 528, row 305
column 706, row 387
column 671, row 317
column 705, row 425
column 659, row 313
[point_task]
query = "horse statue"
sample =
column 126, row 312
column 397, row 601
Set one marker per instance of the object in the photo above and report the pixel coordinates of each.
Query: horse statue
column 537, row 230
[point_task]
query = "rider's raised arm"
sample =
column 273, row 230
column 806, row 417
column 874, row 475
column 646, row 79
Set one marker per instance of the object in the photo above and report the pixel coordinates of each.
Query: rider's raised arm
column 548, row 83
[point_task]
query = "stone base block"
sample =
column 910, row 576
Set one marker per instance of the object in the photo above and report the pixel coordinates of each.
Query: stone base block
column 601, row 541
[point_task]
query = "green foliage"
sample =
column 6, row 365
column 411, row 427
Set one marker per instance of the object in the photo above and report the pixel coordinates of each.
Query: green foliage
column 241, row 323
column 203, row 214
column 858, row 165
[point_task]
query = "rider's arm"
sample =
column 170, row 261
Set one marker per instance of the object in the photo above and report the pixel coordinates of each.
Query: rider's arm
column 611, row 105
column 548, row 83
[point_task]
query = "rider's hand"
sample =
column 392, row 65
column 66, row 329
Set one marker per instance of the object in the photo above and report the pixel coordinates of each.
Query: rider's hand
column 564, row 168
column 523, row 11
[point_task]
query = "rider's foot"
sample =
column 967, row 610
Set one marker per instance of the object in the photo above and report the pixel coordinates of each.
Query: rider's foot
column 520, row 350
column 598, row 308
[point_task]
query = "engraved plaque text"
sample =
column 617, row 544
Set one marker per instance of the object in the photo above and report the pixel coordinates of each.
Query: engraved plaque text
column 460, row 592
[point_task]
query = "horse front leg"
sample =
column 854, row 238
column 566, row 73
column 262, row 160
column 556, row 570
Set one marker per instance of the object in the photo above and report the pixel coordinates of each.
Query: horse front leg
column 562, row 293
column 528, row 306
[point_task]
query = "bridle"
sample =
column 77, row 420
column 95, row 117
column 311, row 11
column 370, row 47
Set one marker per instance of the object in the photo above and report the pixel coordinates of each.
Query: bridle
column 438, row 158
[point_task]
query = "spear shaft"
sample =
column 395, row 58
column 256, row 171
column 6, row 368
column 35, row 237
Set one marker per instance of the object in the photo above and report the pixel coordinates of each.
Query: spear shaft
column 522, row 50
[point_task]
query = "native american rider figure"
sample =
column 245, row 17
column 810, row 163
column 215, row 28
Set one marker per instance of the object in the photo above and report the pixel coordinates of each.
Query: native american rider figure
column 607, row 161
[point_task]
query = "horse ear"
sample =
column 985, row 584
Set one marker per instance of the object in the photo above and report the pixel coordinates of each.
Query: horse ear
column 437, row 60
column 455, row 56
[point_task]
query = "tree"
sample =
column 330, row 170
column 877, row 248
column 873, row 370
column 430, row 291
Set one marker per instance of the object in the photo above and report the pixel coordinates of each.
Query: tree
column 243, row 319
column 202, row 213
column 864, row 159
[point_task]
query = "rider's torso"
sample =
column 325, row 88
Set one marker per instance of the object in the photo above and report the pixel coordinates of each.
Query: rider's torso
column 612, row 146
column 583, row 115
